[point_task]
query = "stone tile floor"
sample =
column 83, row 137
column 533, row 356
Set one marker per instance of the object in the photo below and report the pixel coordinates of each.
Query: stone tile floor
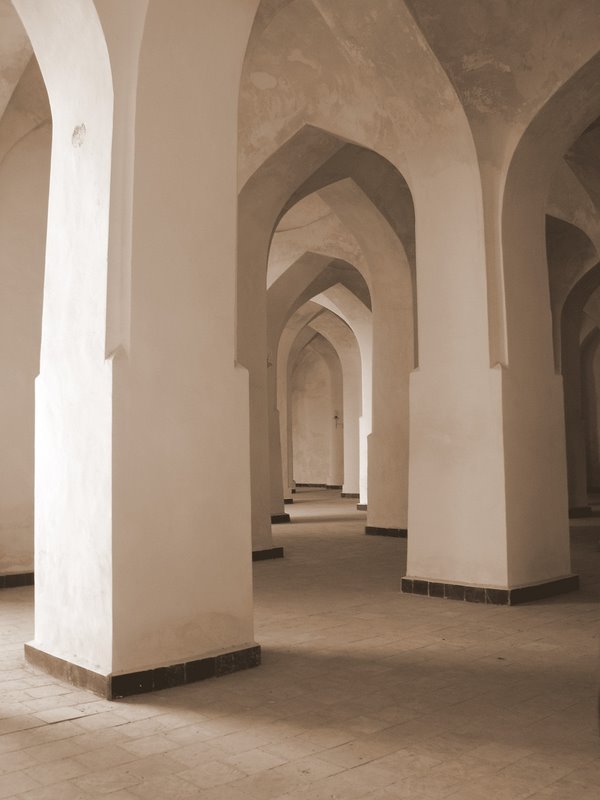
column 363, row 692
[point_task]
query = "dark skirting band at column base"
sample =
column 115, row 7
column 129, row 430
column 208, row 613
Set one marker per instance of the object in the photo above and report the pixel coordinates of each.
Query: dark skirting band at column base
column 361, row 506
column 398, row 533
column 493, row 595
column 13, row 579
column 288, row 501
column 279, row 519
column 150, row 680
column 265, row 555
column 580, row 511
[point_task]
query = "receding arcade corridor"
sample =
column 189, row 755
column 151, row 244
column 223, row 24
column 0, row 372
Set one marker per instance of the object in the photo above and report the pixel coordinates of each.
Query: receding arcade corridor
column 364, row 692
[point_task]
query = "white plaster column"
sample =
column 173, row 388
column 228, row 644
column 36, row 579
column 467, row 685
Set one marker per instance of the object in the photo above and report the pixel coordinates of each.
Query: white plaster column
column 485, row 438
column 456, row 519
column 73, row 397
column 181, row 404
column 142, row 553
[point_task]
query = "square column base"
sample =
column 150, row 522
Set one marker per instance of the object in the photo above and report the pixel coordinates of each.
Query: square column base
column 264, row 555
column 490, row 594
column 113, row 686
column 398, row 533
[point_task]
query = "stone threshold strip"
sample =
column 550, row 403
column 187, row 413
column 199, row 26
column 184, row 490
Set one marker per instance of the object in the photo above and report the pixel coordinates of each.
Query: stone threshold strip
column 113, row 687
column 490, row 594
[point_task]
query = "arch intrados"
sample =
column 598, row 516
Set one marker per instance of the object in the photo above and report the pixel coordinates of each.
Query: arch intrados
column 343, row 304
column 282, row 308
column 88, row 51
column 572, row 307
column 288, row 167
column 323, row 341
column 347, row 273
column 564, row 117
column 338, row 326
column 303, row 337
column 582, row 290
column 530, row 172
column 590, row 343
column 336, row 243
column 313, row 158
column 569, row 200
column 318, row 287
column 379, row 180
column 557, row 214
column 305, row 334
column 565, row 240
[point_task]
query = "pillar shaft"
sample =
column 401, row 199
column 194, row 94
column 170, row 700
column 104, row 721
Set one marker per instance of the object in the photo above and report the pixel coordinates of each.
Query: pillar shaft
column 132, row 486
column 487, row 470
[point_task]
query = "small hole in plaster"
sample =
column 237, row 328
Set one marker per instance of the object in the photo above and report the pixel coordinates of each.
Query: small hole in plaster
column 78, row 135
